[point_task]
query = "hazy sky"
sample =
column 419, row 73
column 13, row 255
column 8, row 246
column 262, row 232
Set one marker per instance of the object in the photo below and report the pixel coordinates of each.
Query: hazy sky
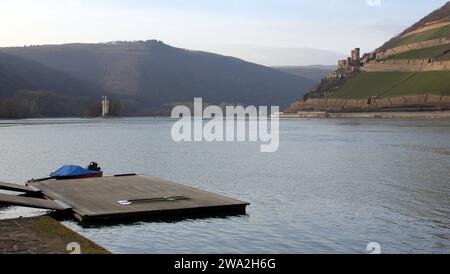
column 255, row 30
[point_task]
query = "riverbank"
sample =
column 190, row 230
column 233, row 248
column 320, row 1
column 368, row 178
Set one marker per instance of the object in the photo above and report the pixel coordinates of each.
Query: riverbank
column 43, row 235
column 368, row 115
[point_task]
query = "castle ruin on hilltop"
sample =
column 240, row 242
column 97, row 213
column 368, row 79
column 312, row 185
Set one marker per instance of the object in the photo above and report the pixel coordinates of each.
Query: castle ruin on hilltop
column 347, row 67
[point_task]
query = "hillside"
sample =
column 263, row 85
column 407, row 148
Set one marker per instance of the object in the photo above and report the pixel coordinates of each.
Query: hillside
column 439, row 53
column 20, row 73
column 148, row 76
column 29, row 89
column 394, row 84
column 413, row 67
column 442, row 13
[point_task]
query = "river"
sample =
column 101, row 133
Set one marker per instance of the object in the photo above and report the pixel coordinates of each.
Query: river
column 334, row 186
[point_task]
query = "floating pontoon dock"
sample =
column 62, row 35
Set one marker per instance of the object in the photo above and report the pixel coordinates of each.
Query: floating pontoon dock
column 120, row 197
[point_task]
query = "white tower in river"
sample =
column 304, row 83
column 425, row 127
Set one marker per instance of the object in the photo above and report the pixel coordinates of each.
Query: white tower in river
column 105, row 106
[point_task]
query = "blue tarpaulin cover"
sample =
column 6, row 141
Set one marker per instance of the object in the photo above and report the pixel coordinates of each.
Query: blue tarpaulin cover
column 70, row 170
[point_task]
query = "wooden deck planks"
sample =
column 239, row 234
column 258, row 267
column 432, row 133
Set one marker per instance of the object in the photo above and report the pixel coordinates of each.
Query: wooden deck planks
column 98, row 197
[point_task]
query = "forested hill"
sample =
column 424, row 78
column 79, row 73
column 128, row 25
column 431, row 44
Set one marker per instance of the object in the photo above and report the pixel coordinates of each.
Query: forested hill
column 147, row 76
column 30, row 89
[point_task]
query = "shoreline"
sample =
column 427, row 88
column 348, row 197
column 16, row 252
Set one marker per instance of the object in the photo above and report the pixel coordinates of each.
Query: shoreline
column 426, row 115
column 43, row 235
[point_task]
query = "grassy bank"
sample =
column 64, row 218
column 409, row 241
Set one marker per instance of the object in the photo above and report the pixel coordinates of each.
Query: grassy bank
column 424, row 36
column 393, row 84
column 438, row 52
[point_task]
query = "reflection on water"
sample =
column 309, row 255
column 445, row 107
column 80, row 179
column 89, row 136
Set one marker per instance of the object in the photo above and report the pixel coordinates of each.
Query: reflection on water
column 334, row 185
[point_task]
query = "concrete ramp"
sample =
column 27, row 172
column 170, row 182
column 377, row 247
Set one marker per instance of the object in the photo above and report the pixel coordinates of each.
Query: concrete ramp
column 32, row 202
column 18, row 188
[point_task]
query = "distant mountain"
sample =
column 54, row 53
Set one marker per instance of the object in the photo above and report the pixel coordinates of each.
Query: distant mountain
column 147, row 76
column 28, row 88
column 315, row 72
column 282, row 56
column 18, row 73
column 325, row 67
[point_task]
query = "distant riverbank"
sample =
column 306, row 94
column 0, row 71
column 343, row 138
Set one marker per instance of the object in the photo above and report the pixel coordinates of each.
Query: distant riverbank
column 371, row 115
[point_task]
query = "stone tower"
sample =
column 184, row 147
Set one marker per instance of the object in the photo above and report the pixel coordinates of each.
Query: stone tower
column 105, row 106
column 356, row 54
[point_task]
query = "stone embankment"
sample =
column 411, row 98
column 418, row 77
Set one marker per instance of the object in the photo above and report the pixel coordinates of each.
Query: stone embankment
column 428, row 26
column 372, row 104
column 372, row 115
column 414, row 46
column 407, row 66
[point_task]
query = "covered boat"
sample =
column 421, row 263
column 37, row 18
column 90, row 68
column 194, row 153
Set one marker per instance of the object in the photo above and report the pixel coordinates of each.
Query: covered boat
column 77, row 172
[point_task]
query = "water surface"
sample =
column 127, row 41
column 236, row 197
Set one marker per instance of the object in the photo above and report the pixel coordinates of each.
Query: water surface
column 333, row 186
